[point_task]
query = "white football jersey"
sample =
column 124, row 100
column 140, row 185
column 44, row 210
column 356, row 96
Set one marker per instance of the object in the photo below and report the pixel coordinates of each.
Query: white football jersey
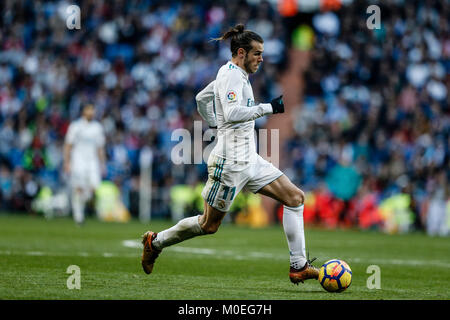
column 235, row 112
column 206, row 105
column 85, row 137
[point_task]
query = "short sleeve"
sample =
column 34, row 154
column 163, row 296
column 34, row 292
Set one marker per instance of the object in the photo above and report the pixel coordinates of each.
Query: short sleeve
column 71, row 133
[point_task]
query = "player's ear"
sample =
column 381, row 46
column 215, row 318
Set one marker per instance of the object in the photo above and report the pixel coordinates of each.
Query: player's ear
column 241, row 52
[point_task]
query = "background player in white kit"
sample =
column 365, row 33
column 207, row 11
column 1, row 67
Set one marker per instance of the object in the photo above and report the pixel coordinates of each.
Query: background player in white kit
column 84, row 159
column 234, row 163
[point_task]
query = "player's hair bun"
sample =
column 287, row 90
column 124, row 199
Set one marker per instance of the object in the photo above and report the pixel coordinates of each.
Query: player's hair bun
column 239, row 28
column 240, row 38
column 233, row 32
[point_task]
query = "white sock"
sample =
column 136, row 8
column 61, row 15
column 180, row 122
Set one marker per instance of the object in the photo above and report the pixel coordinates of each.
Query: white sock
column 295, row 235
column 78, row 203
column 185, row 229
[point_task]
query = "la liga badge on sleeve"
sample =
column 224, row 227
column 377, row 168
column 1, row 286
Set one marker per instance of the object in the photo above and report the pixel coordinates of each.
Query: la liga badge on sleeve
column 231, row 95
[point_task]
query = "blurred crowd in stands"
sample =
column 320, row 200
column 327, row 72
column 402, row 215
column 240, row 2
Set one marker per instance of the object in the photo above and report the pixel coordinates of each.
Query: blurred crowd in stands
column 374, row 123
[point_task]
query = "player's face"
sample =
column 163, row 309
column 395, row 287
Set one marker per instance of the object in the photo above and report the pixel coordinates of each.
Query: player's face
column 89, row 113
column 254, row 57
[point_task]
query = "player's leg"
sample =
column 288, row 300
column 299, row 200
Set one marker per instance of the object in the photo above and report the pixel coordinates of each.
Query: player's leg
column 218, row 194
column 270, row 181
column 78, row 205
column 78, row 185
column 207, row 223
column 85, row 178
column 187, row 228
column 211, row 219
column 154, row 242
column 292, row 198
column 95, row 179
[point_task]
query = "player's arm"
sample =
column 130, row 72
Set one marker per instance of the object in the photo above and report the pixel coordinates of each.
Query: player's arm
column 101, row 149
column 66, row 156
column 102, row 159
column 68, row 144
column 205, row 105
column 234, row 109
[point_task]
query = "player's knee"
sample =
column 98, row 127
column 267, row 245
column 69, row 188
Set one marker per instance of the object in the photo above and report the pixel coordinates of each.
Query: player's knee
column 210, row 228
column 296, row 198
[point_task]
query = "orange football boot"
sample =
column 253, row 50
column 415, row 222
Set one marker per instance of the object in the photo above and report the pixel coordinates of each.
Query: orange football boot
column 149, row 253
column 305, row 273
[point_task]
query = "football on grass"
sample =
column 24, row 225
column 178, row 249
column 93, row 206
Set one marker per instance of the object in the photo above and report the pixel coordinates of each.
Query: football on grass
column 335, row 275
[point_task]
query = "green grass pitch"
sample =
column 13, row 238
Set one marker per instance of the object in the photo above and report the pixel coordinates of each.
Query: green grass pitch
column 237, row 263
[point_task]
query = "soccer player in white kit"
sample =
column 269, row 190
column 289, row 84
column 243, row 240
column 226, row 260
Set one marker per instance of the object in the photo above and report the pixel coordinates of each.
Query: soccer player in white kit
column 84, row 159
column 228, row 103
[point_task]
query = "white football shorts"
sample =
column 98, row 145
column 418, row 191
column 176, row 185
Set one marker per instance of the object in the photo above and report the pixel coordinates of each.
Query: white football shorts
column 85, row 176
column 226, row 179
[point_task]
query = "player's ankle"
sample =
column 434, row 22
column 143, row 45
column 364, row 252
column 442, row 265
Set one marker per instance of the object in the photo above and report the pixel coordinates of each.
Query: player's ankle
column 299, row 265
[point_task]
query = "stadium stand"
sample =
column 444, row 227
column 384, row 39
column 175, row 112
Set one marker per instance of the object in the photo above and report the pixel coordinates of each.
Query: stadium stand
column 370, row 143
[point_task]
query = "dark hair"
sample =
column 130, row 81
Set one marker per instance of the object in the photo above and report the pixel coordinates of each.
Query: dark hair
column 240, row 38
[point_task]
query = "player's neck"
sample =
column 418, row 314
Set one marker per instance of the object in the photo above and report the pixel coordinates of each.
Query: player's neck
column 239, row 63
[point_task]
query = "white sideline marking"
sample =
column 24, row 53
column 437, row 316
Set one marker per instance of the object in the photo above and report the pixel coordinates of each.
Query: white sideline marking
column 132, row 244
column 35, row 253
column 65, row 254
column 137, row 244
column 195, row 250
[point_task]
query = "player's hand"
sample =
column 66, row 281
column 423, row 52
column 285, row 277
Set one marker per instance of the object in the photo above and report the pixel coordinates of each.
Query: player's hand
column 214, row 134
column 104, row 171
column 67, row 167
column 277, row 105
